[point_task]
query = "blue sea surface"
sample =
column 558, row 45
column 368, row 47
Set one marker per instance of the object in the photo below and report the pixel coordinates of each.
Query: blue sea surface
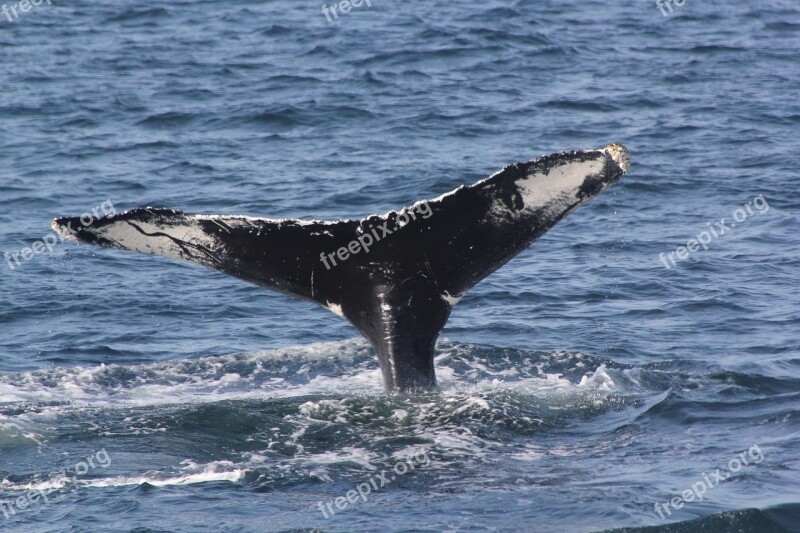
column 591, row 384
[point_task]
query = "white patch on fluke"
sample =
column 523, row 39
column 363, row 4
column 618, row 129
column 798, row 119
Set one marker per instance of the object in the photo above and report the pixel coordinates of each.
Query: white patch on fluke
column 620, row 155
column 126, row 235
column 336, row 309
column 559, row 184
column 452, row 300
column 159, row 239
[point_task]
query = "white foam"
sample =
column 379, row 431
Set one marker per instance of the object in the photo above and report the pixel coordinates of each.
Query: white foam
column 215, row 471
column 346, row 454
column 265, row 375
column 233, row 476
column 599, row 380
column 193, row 381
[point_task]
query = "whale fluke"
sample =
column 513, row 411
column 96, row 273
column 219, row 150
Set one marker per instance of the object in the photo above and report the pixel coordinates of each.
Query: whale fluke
column 395, row 277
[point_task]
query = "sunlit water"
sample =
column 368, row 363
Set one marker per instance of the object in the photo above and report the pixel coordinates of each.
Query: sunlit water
column 580, row 385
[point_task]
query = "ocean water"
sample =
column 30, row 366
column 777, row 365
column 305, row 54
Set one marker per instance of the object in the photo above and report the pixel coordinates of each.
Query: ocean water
column 581, row 385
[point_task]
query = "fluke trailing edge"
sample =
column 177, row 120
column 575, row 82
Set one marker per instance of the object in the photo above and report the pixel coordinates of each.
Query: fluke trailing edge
column 394, row 277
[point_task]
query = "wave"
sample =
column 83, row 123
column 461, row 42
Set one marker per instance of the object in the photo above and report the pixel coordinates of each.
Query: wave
column 138, row 14
column 321, row 368
column 190, row 474
column 296, row 417
column 779, row 519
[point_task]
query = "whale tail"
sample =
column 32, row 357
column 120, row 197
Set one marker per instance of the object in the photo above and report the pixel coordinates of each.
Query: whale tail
column 395, row 277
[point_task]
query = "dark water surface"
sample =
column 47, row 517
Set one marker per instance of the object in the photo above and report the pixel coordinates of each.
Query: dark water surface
column 581, row 384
